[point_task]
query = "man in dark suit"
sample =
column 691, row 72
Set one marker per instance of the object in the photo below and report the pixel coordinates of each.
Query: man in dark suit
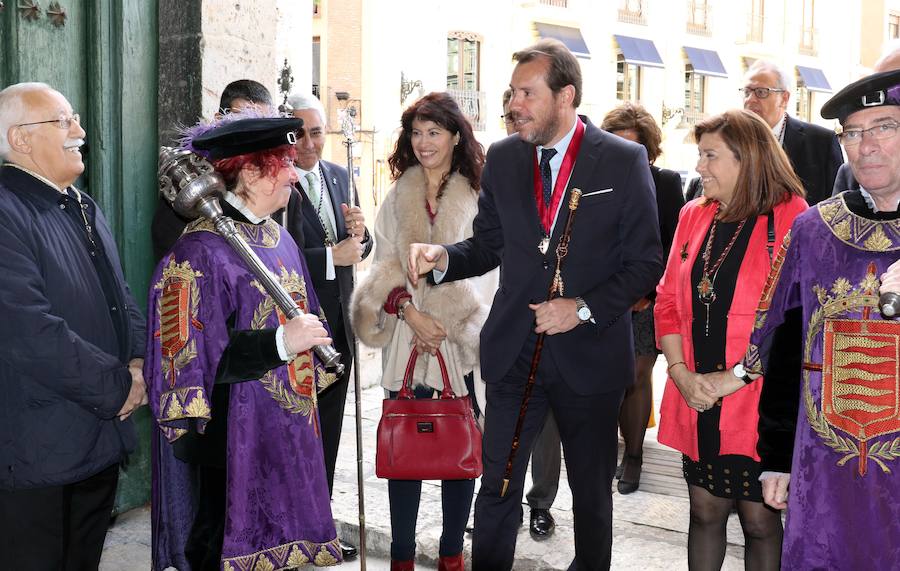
column 546, row 456
column 333, row 238
column 614, row 258
column 814, row 151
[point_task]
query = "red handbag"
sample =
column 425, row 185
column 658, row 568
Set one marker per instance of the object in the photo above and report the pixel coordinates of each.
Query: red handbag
column 427, row 439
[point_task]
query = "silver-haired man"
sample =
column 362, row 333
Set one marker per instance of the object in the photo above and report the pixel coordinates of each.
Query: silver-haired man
column 72, row 338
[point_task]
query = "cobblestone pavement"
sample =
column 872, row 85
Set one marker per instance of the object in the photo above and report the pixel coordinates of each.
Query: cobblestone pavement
column 650, row 529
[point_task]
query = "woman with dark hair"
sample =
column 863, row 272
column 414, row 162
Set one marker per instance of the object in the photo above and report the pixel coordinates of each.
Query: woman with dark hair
column 437, row 166
column 705, row 308
column 239, row 475
column 631, row 121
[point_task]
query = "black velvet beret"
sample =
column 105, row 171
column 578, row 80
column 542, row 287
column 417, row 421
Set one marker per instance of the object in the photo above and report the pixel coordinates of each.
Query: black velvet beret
column 873, row 90
column 247, row 136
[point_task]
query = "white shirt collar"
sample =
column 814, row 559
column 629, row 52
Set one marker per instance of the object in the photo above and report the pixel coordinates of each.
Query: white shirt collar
column 870, row 202
column 779, row 129
column 563, row 144
column 241, row 206
column 301, row 173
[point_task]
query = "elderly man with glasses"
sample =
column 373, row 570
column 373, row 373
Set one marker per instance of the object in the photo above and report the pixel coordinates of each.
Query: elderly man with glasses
column 72, row 338
column 813, row 150
column 830, row 430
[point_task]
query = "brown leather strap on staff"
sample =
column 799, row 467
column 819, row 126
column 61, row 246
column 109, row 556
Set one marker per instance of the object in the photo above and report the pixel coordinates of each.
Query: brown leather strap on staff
column 556, row 288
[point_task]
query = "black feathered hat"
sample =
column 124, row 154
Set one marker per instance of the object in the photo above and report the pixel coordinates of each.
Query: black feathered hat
column 874, row 90
column 247, row 136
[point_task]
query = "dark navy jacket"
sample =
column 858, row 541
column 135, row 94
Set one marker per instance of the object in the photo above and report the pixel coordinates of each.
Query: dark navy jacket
column 67, row 331
column 614, row 258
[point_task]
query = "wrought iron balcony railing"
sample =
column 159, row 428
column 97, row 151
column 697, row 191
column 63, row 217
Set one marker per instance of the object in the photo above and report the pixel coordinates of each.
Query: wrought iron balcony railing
column 472, row 104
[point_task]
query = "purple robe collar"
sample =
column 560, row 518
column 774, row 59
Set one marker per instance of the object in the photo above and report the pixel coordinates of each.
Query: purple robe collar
column 859, row 232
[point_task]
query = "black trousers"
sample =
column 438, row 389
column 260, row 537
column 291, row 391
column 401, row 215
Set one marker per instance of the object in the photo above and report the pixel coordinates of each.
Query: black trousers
column 57, row 528
column 546, row 462
column 587, row 428
column 332, row 401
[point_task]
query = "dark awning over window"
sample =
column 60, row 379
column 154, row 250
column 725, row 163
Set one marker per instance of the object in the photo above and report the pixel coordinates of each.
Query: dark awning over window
column 571, row 37
column 705, row 62
column 639, row 51
column 814, row 79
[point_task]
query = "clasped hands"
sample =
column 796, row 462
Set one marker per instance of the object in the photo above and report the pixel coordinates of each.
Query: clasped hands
column 701, row 392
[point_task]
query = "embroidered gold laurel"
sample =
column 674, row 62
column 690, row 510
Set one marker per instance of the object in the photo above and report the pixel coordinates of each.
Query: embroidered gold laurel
column 877, row 241
column 324, row 557
column 297, row 557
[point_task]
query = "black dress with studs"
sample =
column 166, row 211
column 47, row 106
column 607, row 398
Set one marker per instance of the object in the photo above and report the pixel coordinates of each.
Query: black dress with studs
column 731, row 476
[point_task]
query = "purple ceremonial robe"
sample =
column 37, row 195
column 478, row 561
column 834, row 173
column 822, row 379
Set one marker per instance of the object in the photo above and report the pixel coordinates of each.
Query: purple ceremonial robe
column 844, row 497
column 278, row 513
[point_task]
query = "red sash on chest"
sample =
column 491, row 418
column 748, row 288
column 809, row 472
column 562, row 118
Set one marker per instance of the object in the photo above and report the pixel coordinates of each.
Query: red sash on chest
column 548, row 212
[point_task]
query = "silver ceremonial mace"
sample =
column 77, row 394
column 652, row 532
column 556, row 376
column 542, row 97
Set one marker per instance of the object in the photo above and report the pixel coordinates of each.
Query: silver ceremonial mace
column 347, row 129
column 191, row 184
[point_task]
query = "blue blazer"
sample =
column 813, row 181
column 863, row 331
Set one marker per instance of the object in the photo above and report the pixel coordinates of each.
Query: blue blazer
column 615, row 257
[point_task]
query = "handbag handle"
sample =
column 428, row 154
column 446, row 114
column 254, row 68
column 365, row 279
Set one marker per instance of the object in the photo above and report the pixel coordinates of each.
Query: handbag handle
column 406, row 390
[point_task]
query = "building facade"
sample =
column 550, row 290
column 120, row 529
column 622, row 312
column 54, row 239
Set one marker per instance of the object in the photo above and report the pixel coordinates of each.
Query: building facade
column 682, row 59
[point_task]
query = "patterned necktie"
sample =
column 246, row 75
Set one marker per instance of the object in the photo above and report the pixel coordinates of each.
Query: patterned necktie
column 546, row 177
column 317, row 200
column 312, row 183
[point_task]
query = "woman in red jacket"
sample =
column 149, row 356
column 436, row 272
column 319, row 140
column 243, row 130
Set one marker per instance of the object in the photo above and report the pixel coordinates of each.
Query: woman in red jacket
column 705, row 306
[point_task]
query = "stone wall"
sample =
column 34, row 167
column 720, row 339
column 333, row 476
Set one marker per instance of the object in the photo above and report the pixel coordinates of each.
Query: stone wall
column 179, row 66
column 203, row 46
column 250, row 39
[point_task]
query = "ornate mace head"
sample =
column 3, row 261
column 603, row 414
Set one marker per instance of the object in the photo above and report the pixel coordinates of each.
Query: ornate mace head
column 190, row 183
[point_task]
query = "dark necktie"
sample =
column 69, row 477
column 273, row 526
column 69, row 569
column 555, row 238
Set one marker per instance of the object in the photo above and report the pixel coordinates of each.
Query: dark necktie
column 546, row 177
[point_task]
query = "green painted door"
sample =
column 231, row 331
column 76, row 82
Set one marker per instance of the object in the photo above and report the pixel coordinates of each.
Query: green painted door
column 102, row 55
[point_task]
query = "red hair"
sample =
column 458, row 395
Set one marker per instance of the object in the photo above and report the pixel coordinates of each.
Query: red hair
column 268, row 161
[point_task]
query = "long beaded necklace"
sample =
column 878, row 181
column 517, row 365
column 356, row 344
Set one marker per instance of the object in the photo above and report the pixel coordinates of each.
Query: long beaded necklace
column 329, row 238
column 781, row 131
column 706, row 291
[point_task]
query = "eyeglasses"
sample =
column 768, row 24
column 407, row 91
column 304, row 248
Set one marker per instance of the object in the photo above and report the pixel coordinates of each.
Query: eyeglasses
column 852, row 137
column 63, row 121
column 759, row 92
column 508, row 118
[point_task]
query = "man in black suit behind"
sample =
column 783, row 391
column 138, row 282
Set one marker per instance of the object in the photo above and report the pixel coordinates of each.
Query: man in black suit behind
column 333, row 239
column 814, row 151
column 614, row 258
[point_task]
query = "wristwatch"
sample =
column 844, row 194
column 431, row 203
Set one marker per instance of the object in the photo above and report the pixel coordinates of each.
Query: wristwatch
column 740, row 372
column 584, row 312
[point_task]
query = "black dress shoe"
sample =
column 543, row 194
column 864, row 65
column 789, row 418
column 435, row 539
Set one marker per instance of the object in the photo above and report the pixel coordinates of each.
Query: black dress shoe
column 630, row 484
column 348, row 551
column 542, row 524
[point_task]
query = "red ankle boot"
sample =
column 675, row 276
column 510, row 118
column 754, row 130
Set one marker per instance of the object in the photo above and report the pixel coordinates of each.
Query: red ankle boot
column 403, row 565
column 452, row 563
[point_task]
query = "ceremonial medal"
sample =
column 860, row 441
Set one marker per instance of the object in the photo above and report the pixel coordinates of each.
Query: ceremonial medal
column 544, row 244
column 706, row 292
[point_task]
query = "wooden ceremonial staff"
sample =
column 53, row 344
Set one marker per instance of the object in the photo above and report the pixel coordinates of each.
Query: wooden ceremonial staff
column 556, row 287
